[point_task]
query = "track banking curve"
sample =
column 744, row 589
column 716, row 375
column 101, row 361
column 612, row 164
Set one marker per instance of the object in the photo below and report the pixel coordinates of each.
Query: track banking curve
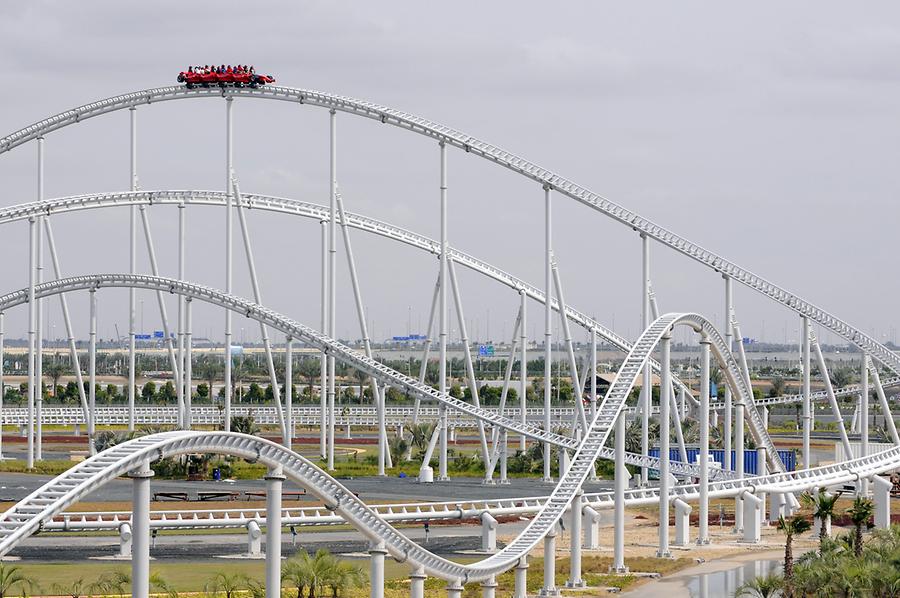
column 376, row 369
column 472, row 145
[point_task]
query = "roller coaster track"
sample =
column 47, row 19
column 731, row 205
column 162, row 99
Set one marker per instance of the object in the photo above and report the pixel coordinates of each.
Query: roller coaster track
column 472, row 145
column 376, row 369
column 27, row 516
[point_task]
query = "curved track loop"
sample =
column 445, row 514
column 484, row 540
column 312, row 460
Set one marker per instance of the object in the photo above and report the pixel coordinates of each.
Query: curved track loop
column 494, row 154
column 354, row 359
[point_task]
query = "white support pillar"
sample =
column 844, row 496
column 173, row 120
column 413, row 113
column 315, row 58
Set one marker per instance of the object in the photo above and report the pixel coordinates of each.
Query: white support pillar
column 488, row 532
column 549, row 588
column 646, row 397
column 504, row 449
column 864, row 418
column 179, row 372
column 92, row 370
column 807, row 417
column 254, row 540
column 682, row 522
column 323, row 371
column 288, row 436
column 729, row 342
column 703, row 418
column 521, row 577
column 664, row 405
column 332, row 278
column 188, row 367
column 29, row 425
column 377, row 551
column 125, row 540
column 379, row 398
column 140, row 530
column 417, row 582
column 575, row 514
column 455, row 589
column 764, row 414
column 229, row 140
column 442, row 317
column 38, row 317
column 593, row 371
column 548, row 325
column 881, row 489
column 590, row 525
column 620, row 478
column 523, row 377
column 274, row 481
column 753, row 513
column 776, row 507
column 132, row 265
column 489, row 587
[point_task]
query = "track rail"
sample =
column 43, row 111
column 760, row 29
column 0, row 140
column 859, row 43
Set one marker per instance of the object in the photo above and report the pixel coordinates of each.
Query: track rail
column 492, row 153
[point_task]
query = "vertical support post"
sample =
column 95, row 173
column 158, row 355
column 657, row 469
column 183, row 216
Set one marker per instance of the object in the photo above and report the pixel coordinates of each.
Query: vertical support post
column 807, row 418
column 620, row 475
column 762, row 469
column 575, row 580
column 753, row 507
column 132, row 268
column 489, row 587
column 488, row 532
column 442, row 319
column 332, row 276
column 882, row 494
column 729, row 338
column 593, row 370
column 229, row 141
column 863, row 418
column 289, row 392
column 682, row 522
column 274, row 480
column 646, row 397
column 38, row 318
column 590, row 525
column 548, row 329
column 179, row 328
column 323, row 371
column 455, row 589
column 549, row 588
column 417, row 582
column 29, row 425
column 92, row 370
column 665, row 383
column 504, row 449
column 523, row 378
column 140, row 530
column 187, row 369
column 521, row 578
column 379, row 396
column 703, row 535
column 376, row 569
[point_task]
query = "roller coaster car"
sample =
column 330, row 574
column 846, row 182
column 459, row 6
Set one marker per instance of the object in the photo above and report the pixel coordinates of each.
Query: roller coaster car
column 253, row 80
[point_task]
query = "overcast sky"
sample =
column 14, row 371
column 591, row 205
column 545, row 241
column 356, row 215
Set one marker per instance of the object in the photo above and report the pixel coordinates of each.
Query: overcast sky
column 767, row 132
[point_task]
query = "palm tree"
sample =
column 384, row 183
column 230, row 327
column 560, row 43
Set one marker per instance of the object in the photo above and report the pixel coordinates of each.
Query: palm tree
column 310, row 368
column 794, row 526
column 12, row 578
column 343, row 575
column 113, row 583
column 297, row 574
column 778, row 386
column 55, row 371
column 74, row 589
column 860, row 513
column 361, row 378
column 209, row 370
column 823, row 505
column 309, row 571
column 161, row 586
column 225, row 583
column 761, row 587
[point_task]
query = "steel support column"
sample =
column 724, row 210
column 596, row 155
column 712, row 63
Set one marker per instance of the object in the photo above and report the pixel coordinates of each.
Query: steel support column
column 323, row 358
column 703, row 535
column 377, row 553
column 274, row 481
column 442, row 318
column 729, row 342
column 523, row 365
column 548, row 326
column 575, row 580
column 140, row 530
column 288, row 436
column 549, row 588
column 646, row 396
column 620, row 477
column 132, row 267
column 229, row 165
column 92, row 370
column 807, row 417
column 417, row 582
column 39, row 317
column 29, row 426
column 332, row 276
column 665, row 390
column 863, row 417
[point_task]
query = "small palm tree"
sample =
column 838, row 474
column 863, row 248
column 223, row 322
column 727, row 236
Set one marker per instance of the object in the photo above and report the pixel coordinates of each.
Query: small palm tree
column 342, row 576
column 230, row 585
column 13, row 579
column 74, row 589
column 110, row 583
column 761, row 587
column 794, row 526
column 161, row 586
column 55, row 371
column 778, row 386
column 860, row 513
column 295, row 572
column 823, row 505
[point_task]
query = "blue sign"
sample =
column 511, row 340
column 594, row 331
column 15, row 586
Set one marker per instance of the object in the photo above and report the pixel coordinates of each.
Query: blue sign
column 142, row 337
column 748, row 341
column 485, row 350
column 159, row 334
column 713, row 389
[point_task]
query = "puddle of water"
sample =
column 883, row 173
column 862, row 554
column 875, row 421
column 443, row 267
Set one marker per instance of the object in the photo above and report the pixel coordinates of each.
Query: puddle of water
column 725, row 583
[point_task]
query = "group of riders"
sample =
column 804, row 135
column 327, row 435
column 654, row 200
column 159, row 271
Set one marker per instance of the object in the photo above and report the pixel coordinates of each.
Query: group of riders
column 238, row 69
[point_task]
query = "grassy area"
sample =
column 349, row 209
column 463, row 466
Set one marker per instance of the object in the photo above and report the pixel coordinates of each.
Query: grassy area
column 192, row 576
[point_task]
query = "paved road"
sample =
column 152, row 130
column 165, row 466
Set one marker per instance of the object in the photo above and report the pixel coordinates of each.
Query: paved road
column 16, row 486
